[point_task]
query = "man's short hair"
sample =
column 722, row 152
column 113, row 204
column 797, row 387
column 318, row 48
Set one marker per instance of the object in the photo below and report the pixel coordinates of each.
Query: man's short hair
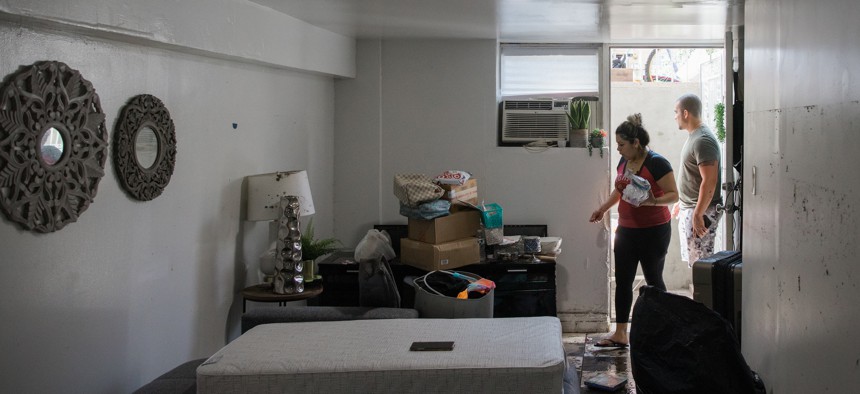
column 692, row 104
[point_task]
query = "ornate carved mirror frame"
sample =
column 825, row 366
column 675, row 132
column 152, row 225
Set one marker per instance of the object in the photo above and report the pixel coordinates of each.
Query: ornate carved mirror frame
column 53, row 146
column 144, row 150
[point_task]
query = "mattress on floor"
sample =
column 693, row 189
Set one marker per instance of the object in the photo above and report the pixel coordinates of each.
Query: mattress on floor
column 503, row 355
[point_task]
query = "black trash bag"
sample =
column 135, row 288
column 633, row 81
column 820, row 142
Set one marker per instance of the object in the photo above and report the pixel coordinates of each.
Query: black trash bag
column 678, row 345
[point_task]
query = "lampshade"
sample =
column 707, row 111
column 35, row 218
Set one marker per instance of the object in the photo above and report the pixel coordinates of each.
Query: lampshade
column 266, row 190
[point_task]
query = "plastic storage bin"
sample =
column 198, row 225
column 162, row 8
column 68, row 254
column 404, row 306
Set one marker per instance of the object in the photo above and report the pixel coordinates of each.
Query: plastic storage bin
column 435, row 306
column 491, row 215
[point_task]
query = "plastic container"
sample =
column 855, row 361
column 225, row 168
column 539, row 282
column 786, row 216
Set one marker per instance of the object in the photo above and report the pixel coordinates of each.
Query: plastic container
column 435, row 306
column 491, row 215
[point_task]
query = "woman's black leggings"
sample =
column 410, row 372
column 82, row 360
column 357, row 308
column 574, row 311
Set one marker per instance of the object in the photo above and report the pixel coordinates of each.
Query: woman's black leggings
column 632, row 246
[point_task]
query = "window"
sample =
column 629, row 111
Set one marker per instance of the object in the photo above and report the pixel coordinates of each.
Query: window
column 537, row 81
column 548, row 71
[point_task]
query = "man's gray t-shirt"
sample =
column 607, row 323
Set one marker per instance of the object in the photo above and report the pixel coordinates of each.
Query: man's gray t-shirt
column 701, row 146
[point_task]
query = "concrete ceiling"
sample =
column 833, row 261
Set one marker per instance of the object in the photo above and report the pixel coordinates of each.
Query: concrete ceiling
column 545, row 21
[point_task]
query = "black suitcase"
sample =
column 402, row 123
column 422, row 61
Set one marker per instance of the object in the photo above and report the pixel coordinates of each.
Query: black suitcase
column 717, row 284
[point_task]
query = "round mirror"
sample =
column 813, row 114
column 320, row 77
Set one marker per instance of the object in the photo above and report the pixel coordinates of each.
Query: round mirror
column 51, row 146
column 146, row 147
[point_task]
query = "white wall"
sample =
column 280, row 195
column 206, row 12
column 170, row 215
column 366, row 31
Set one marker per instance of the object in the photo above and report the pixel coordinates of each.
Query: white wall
column 429, row 105
column 224, row 29
column 133, row 288
column 802, row 111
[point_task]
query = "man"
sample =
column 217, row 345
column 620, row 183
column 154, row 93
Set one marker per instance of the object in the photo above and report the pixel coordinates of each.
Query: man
column 698, row 186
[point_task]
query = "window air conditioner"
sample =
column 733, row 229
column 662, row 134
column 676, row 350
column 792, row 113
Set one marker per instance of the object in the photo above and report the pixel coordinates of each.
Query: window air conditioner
column 534, row 120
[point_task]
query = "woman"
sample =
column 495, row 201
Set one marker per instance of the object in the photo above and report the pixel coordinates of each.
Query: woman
column 644, row 231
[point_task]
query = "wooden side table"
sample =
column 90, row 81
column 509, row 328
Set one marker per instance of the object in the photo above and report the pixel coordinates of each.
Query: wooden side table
column 263, row 293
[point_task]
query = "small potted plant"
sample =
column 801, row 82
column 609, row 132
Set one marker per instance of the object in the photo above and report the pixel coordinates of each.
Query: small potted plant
column 578, row 115
column 313, row 248
column 596, row 140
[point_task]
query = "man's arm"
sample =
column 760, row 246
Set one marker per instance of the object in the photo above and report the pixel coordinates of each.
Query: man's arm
column 708, row 170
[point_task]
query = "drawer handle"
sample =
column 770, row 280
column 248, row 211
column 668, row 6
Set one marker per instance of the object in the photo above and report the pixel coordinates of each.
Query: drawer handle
column 518, row 270
column 351, row 271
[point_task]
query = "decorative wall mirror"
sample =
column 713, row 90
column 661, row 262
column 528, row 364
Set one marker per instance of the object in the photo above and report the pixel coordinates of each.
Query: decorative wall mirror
column 144, row 151
column 53, row 146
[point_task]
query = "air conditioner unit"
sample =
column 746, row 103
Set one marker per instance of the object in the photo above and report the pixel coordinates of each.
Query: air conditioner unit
column 533, row 120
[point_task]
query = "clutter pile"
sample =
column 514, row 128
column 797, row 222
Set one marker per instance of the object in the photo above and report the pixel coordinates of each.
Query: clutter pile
column 441, row 231
column 450, row 227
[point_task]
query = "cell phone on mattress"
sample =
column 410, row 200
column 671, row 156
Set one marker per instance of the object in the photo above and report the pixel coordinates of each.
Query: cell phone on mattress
column 431, row 346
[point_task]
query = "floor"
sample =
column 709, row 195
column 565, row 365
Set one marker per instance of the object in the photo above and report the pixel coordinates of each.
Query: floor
column 591, row 361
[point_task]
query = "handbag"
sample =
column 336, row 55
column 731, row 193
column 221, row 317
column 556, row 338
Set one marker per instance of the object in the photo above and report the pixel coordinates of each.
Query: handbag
column 414, row 189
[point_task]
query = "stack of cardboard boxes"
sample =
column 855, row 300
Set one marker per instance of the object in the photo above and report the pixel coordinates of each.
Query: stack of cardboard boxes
column 447, row 242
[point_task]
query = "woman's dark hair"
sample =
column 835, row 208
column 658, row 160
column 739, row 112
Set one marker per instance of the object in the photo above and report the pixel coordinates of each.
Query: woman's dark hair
column 632, row 129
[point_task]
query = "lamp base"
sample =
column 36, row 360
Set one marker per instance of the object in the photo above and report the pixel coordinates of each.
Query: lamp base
column 288, row 253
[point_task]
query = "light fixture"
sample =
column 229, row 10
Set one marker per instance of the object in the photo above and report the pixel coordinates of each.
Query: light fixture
column 282, row 197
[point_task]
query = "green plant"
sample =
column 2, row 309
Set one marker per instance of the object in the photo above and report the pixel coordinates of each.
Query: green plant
column 595, row 140
column 313, row 248
column 578, row 114
column 720, row 118
column 597, row 133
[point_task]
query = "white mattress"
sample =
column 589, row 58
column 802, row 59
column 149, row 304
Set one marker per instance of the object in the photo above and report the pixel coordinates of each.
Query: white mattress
column 503, row 355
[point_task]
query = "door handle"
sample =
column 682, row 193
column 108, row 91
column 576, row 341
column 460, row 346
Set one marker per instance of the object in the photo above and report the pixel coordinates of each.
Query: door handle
column 753, row 179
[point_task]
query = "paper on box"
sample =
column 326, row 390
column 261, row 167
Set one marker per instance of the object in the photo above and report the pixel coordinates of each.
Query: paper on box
column 467, row 192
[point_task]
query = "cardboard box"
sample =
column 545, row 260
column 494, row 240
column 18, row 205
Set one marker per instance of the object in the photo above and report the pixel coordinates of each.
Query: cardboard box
column 621, row 75
column 458, row 225
column 446, row 255
column 467, row 192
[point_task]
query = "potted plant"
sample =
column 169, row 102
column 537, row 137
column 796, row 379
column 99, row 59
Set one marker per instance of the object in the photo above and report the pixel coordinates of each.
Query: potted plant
column 596, row 140
column 578, row 115
column 313, row 248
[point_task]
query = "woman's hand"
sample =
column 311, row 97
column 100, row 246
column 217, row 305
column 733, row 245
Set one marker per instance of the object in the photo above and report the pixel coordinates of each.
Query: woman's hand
column 596, row 216
column 650, row 202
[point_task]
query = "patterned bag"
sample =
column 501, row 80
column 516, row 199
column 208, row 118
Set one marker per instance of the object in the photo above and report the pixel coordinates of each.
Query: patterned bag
column 414, row 189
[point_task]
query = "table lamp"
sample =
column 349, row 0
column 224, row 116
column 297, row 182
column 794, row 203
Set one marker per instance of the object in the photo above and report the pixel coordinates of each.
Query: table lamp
column 282, row 197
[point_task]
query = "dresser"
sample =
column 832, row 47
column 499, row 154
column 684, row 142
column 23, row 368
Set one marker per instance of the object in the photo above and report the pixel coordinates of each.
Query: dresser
column 522, row 288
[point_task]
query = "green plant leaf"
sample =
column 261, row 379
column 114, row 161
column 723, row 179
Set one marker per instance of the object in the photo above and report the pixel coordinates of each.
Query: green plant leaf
column 312, row 247
column 719, row 118
column 578, row 114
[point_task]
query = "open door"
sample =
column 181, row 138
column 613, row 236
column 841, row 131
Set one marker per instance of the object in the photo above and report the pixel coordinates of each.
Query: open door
column 648, row 80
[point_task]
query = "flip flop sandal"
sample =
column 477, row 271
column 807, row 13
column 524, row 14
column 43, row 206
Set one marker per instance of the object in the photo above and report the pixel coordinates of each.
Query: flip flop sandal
column 609, row 343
